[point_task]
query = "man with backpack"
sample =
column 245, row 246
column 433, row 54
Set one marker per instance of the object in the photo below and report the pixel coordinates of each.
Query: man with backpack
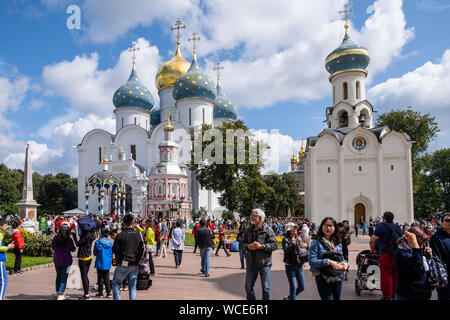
column 128, row 251
column 385, row 237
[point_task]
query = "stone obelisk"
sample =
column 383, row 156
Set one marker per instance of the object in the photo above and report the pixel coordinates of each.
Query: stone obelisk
column 27, row 206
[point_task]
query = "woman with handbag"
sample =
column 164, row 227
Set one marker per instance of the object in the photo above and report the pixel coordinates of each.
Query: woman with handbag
column 326, row 260
column 150, row 243
column 295, row 255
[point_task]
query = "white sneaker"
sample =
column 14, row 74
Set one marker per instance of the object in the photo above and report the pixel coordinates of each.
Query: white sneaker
column 60, row 297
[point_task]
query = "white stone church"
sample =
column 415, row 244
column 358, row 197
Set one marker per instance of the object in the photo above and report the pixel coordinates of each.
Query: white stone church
column 140, row 168
column 352, row 169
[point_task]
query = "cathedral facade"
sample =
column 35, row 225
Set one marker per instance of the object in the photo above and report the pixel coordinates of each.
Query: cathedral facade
column 353, row 170
column 142, row 167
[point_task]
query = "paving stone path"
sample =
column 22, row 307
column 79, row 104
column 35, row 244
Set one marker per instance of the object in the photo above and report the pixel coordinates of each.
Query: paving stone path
column 226, row 281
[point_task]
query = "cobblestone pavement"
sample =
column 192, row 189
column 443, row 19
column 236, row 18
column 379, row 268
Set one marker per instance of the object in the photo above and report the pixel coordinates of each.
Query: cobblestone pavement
column 226, row 281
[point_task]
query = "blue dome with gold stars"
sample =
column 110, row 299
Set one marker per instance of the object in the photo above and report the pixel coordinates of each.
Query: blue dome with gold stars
column 224, row 108
column 133, row 94
column 194, row 84
column 348, row 56
column 155, row 119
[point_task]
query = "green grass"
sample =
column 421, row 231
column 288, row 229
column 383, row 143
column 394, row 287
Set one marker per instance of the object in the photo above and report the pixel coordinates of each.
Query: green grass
column 26, row 261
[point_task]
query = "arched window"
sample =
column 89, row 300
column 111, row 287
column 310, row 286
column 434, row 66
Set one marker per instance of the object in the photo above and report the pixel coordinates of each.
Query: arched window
column 358, row 90
column 122, row 122
column 345, row 88
column 343, row 119
column 190, row 122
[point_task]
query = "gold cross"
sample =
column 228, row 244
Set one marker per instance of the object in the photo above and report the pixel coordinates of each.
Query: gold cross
column 346, row 15
column 178, row 26
column 193, row 39
column 218, row 68
column 134, row 49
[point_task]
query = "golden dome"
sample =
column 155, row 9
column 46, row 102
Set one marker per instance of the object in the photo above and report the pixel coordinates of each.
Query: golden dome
column 301, row 153
column 294, row 159
column 170, row 71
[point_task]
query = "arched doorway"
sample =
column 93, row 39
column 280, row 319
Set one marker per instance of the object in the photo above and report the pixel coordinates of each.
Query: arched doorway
column 360, row 211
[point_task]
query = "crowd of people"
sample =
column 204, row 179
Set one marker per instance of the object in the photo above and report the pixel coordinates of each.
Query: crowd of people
column 404, row 252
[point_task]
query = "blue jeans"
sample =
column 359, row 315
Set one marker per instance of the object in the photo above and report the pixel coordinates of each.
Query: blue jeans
column 121, row 273
column 293, row 273
column 3, row 280
column 329, row 291
column 242, row 256
column 250, row 278
column 205, row 254
column 61, row 278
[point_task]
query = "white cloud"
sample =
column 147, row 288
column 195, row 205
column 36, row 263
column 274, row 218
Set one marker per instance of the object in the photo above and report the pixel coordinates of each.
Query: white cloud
column 425, row 89
column 61, row 157
column 91, row 90
column 281, row 149
column 109, row 19
column 285, row 61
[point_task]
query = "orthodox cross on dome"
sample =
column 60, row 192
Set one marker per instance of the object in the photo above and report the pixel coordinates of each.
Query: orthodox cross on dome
column 178, row 26
column 193, row 39
column 346, row 15
column 134, row 49
column 217, row 68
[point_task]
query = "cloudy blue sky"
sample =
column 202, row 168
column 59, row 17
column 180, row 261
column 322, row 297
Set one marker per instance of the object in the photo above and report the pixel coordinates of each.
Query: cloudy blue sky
column 57, row 84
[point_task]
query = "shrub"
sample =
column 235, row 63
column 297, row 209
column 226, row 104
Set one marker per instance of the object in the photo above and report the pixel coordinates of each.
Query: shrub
column 37, row 244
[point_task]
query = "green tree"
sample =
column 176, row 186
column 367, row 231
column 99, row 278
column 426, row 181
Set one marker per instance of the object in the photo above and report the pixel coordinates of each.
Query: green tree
column 422, row 129
column 284, row 195
column 438, row 165
column 239, row 183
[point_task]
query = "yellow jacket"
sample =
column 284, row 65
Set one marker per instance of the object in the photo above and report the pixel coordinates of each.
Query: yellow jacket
column 149, row 235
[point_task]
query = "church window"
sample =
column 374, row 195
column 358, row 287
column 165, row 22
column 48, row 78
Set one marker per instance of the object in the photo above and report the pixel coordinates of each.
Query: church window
column 174, row 189
column 329, row 169
column 133, row 151
column 122, row 122
column 159, row 190
column 360, row 168
column 345, row 87
column 358, row 90
column 100, row 155
column 343, row 119
column 135, row 121
column 392, row 167
column 190, row 123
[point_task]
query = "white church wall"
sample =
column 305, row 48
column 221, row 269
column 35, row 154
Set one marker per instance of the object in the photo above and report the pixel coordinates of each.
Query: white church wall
column 396, row 177
column 133, row 135
column 351, row 78
column 130, row 116
column 167, row 104
column 196, row 106
column 90, row 154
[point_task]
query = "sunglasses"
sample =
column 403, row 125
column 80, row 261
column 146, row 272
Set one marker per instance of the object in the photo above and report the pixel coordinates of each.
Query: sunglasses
column 446, row 220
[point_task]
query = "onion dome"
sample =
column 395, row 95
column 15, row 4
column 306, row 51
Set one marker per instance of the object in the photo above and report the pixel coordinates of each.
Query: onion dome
column 194, row 84
column 133, row 94
column 349, row 56
column 294, row 159
column 224, row 108
column 155, row 118
column 171, row 71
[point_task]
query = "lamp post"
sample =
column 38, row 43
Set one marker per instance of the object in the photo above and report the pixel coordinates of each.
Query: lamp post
column 178, row 202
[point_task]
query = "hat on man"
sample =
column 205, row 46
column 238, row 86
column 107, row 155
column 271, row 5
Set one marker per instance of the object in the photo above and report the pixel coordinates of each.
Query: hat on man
column 291, row 226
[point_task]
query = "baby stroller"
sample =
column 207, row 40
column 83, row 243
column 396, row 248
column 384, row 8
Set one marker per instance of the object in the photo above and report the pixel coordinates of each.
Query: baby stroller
column 368, row 273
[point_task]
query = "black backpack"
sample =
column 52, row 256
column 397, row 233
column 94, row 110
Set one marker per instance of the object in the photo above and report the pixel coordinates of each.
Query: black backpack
column 392, row 243
column 328, row 270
